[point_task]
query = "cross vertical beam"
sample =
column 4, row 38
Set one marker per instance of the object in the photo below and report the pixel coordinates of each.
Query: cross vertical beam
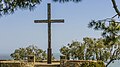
column 49, row 21
column 49, row 50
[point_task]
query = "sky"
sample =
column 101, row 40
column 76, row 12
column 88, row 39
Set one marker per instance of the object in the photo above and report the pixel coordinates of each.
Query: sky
column 19, row 30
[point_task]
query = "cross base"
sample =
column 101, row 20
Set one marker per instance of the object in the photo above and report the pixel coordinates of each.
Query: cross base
column 49, row 50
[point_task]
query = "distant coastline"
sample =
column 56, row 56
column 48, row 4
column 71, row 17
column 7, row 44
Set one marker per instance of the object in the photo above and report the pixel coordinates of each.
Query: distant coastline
column 5, row 57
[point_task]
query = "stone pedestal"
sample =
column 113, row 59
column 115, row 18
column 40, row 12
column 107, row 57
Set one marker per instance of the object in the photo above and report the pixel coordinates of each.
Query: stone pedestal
column 62, row 60
column 31, row 60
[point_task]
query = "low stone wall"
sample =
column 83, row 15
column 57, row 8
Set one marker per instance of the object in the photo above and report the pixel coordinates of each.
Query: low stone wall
column 15, row 64
column 61, row 63
column 81, row 63
column 28, row 64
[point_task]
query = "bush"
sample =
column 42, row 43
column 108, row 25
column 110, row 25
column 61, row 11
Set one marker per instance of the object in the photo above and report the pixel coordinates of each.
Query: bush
column 93, row 64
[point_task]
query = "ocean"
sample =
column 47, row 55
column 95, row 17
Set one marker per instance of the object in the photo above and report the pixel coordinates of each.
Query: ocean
column 5, row 57
column 57, row 57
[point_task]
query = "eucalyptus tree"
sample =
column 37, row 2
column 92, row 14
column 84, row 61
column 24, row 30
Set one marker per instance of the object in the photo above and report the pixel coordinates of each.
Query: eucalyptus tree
column 86, row 50
column 94, row 49
column 65, row 50
column 22, row 53
column 91, row 49
column 80, row 51
column 88, row 42
column 73, row 50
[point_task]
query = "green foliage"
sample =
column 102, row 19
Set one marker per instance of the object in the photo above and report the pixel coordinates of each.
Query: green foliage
column 71, row 51
column 86, row 50
column 91, row 49
column 110, row 30
column 65, row 51
column 9, row 6
column 21, row 53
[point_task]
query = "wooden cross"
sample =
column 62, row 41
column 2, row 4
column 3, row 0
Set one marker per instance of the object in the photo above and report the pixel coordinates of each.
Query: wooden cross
column 49, row 21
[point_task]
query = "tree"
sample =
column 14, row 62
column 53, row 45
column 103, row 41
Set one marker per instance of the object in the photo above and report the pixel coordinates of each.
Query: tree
column 110, row 32
column 115, row 7
column 75, row 50
column 65, row 51
column 22, row 53
column 110, row 35
column 9, row 6
column 92, row 49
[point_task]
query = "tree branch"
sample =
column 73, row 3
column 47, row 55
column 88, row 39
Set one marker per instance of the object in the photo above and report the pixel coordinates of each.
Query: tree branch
column 109, row 62
column 115, row 7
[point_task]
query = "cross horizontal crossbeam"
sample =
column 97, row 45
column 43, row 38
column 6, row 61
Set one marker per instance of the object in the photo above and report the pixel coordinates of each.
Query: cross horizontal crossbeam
column 51, row 21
